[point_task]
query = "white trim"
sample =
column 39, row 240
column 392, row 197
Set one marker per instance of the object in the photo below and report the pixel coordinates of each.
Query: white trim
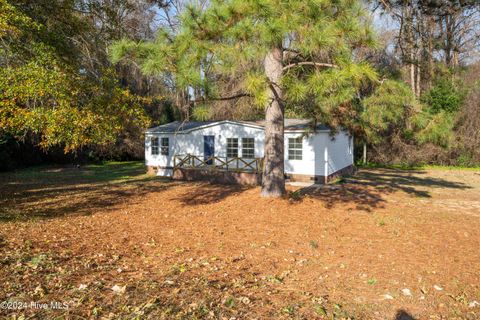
column 325, row 159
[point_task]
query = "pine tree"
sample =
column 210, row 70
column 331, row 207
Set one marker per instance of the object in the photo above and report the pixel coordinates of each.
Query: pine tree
column 287, row 52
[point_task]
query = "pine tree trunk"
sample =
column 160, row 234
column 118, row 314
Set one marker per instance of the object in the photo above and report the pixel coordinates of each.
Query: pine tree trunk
column 412, row 76
column 431, row 27
column 273, row 180
column 419, row 52
column 408, row 31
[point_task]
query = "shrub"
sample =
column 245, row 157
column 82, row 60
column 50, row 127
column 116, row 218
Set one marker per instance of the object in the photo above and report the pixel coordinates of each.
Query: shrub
column 444, row 96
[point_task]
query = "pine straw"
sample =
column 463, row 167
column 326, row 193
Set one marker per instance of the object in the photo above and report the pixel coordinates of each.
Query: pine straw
column 193, row 250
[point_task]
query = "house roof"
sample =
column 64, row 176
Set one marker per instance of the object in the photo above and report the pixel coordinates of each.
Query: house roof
column 188, row 126
column 297, row 125
column 179, row 126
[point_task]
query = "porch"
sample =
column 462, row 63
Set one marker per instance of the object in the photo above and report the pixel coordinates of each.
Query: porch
column 235, row 164
column 217, row 169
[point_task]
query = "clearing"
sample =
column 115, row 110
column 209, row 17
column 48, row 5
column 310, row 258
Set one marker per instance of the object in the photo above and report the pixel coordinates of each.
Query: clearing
column 108, row 241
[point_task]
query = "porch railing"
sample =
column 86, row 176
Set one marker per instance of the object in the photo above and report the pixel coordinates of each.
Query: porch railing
column 236, row 164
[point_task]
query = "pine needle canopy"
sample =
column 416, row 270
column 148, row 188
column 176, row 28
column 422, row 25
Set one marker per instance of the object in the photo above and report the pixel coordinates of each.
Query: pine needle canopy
column 231, row 38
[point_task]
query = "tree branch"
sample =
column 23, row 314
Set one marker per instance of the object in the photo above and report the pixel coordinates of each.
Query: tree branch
column 235, row 96
column 310, row 63
column 389, row 8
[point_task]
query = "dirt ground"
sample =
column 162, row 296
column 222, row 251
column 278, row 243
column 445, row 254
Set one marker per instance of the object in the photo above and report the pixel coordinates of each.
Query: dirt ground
column 111, row 242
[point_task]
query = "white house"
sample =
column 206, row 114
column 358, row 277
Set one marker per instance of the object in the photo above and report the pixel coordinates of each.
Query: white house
column 238, row 146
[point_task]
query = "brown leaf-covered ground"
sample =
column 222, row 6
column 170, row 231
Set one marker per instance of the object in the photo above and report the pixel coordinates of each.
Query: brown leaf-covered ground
column 110, row 242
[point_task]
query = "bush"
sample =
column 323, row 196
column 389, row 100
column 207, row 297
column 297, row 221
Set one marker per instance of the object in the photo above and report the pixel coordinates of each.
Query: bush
column 444, row 96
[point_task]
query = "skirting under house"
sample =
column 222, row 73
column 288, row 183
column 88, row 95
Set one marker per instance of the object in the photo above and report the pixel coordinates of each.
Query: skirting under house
column 232, row 151
column 243, row 178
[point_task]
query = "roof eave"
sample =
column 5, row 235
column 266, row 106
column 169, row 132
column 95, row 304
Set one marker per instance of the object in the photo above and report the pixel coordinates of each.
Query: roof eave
column 241, row 123
column 209, row 125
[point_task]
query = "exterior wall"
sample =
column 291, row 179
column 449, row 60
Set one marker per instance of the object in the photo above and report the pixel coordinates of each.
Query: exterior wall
column 306, row 166
column 340, row 152
column 322, row 155
column 332, row 153
column 192, row 143
column 162, row 163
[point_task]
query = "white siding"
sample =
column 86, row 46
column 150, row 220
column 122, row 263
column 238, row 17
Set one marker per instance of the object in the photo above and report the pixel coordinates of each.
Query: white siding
column 332, row 153
column 315, row 147
column 307, row 164
column 192, row 143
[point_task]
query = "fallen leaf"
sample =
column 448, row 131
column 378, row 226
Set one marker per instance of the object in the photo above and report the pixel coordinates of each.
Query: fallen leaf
column 473, row 304
column 406, row 292
column 118, row 289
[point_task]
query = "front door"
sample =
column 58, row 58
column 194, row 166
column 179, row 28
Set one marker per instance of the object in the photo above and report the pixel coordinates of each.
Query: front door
column 208, row 148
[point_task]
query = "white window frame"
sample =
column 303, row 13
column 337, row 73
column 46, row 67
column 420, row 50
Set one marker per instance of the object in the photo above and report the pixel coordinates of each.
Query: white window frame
column 165, row 147
column 232, row 150
column 154, row 146
column 295, row 148
column 248, row 148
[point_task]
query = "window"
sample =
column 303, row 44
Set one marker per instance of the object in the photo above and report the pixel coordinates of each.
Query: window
column 295, row 148
column 248, row 148
column 232, row 147
column 164, row 148
column 350, row 145
column 154, row 146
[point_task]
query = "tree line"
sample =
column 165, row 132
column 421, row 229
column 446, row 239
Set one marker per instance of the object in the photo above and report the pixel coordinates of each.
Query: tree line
column 60, row 96
column 86, row 77
column 433, row 47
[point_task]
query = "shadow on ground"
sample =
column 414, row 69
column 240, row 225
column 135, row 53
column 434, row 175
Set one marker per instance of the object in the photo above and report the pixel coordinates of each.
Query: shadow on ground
column 366, row 190
column 49, row 192
column 368, row 187
column 206, row 193
column 403, row 315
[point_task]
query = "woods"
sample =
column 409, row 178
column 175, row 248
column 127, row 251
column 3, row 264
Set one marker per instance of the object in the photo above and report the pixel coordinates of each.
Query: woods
column 434, row 49
column 58, row 89
column 83, row 79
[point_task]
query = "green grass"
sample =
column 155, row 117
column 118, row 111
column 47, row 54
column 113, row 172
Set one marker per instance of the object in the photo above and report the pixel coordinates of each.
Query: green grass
column 50, row 191
column 437, row 167
column 415, row 167
column 110, row 171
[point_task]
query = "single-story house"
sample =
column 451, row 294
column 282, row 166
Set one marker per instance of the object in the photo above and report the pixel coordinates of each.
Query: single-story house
column 212, row 149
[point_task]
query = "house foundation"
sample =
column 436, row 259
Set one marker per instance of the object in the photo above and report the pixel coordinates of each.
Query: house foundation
column 243, row 178
column 317, row 179
column 218, row 176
